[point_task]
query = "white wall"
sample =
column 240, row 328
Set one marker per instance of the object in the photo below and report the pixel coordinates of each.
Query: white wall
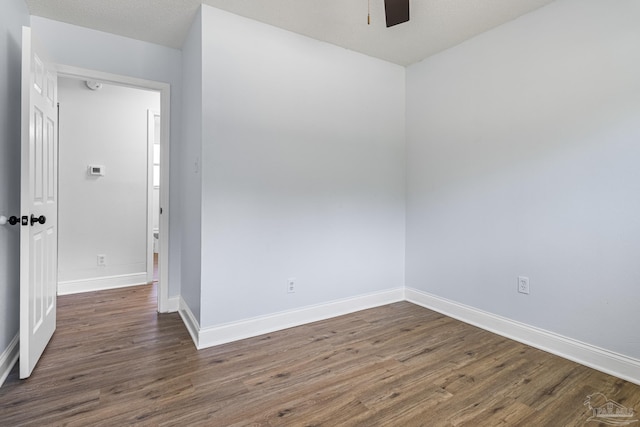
column 191, row 192
column 302, row 171
column 96, row 50
column 523, row 153
column 14, row 15
column 108, row 214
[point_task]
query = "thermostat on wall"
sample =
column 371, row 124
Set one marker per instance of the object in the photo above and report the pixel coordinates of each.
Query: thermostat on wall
column 96, row 170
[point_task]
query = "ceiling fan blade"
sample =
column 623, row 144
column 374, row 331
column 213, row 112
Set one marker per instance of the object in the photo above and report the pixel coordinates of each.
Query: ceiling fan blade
column 396, row 11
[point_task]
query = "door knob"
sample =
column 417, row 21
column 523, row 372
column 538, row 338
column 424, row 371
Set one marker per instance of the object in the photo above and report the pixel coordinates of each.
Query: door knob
column 41, row 219
column 13, row 220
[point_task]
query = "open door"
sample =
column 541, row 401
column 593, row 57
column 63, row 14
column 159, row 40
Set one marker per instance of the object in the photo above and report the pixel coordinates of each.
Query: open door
column 38, row 204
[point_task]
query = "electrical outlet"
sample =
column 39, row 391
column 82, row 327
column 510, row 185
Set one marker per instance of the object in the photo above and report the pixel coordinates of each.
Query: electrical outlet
column 291, row 285
column 102, row 260
column 523, row 285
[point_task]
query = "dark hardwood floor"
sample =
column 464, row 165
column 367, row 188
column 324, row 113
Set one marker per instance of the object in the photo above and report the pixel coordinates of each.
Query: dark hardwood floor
column 114, row 361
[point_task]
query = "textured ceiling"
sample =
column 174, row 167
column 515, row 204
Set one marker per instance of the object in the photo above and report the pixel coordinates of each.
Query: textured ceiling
column 435, row 25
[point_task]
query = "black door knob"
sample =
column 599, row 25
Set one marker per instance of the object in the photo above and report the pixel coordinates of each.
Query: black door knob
column 13, row 220
column 41, row 219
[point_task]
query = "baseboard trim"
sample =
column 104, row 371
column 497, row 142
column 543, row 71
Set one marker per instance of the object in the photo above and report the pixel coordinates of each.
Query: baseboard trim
column 190, row 321
column 211, row 336
column 9, row 357
column 606, row 361
column 101, row 283
column 173, row 304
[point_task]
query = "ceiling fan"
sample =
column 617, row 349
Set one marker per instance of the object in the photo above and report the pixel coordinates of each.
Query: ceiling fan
column 396, row 12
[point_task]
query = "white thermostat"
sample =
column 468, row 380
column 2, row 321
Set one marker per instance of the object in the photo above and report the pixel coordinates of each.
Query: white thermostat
column 96, row 170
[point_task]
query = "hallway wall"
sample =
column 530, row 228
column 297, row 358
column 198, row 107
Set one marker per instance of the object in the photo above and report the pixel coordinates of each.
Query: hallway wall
column 102, row 215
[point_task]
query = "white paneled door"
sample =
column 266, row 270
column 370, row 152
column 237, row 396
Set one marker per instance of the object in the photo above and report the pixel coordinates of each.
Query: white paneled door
column 38, row 205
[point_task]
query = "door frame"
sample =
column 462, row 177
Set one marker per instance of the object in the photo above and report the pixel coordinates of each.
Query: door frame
column 165, row 102
column 151, row 117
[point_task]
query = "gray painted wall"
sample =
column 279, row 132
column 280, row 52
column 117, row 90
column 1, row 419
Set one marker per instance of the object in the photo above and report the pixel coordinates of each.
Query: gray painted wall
column 191, row 191
column 302, row 171
column 523, row 153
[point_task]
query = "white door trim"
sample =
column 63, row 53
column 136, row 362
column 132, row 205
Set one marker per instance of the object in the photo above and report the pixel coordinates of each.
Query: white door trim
column 151, row 136
column 165, row 103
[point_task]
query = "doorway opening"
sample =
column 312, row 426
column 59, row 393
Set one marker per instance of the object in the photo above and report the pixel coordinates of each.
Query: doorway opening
column 123, row 182
column 153, row 193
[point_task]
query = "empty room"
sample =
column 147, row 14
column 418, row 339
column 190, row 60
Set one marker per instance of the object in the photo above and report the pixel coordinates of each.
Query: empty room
column 370, row 213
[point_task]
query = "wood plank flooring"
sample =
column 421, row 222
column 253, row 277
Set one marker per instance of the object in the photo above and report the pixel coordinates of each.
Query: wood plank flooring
column 114, row 361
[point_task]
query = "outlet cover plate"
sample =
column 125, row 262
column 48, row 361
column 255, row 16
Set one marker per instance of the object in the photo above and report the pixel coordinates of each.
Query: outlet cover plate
column 523, row 285
column 291, row 285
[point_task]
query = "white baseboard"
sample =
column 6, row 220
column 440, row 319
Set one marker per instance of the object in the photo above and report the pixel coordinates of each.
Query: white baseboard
column 190, row 321
column 609, row 362
column 101, row 283
column 594, row 357
column 8, row 358
column 173, row 304
column 210, row 336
